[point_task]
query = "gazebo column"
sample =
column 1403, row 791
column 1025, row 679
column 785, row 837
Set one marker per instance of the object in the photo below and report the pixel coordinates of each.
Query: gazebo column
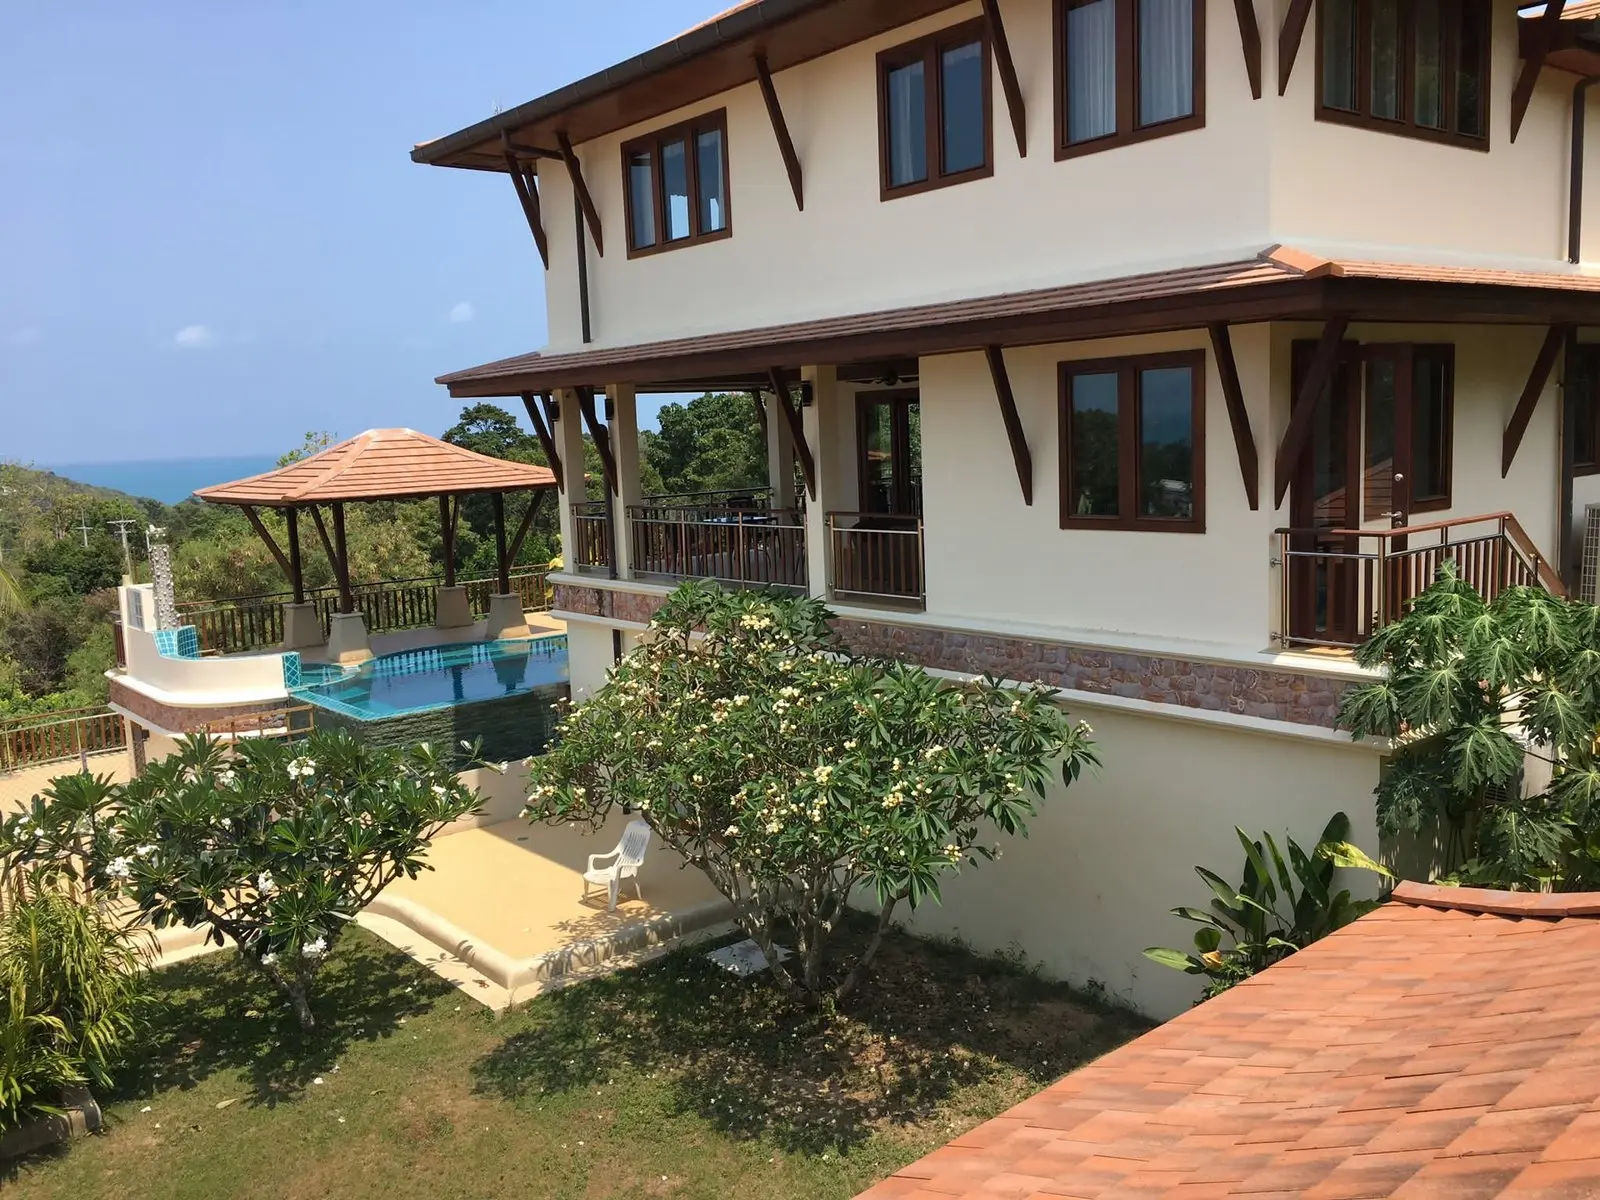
column 622, row 416
column 451, row 609
column 570, row 444
column 506, row 618
column 780, row 462
column 347, row 632
column 829, row 424
column 302, row 629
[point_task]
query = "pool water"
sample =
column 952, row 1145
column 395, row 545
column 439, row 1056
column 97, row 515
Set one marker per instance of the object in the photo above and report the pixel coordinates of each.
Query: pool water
column 441, row 677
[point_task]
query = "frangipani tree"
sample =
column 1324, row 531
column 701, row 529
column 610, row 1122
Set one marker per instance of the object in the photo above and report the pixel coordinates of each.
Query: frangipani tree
column 798, row 777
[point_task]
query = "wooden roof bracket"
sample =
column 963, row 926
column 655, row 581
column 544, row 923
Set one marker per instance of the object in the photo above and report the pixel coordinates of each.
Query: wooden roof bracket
column 265, row 535
column 797, row 430
column 1244, row 12
column 1020, row 455
column 522, row 530
column 528, row 196
column 1007, row 68
column 1543, row 39
column 1538, row 377
column 780, row 130
column 546, row 437
column 591, row 214
column 1238, row 416
column 601, row 436
column 1294, row 28
column 1312, row 390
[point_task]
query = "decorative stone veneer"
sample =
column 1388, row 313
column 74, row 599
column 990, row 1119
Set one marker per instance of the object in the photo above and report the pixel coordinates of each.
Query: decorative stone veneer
column 181, row 719
column 1271, row 694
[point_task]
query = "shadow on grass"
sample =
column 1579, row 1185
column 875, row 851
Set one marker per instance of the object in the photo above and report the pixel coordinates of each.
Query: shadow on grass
column 936, row 1029
column 214, row 1014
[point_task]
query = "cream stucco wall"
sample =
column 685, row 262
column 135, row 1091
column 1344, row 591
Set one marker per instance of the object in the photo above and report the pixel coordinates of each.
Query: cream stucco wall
column 589, row 656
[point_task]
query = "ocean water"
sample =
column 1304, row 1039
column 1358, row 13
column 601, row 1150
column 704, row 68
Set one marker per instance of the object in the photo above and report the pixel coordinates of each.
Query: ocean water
column 171, row 481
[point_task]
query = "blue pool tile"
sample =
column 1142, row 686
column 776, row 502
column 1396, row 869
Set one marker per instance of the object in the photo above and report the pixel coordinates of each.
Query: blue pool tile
column 291, row 670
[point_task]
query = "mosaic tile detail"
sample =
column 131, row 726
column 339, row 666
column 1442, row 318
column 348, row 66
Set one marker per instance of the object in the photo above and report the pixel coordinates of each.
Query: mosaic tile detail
column 183, row 642
column 291, row 670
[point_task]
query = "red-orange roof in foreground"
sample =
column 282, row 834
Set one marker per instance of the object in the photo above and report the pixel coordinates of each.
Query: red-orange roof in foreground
column 1446, row 1045
column 381, row 464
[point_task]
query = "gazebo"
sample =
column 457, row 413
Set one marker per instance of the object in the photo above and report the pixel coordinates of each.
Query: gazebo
column 386, row 464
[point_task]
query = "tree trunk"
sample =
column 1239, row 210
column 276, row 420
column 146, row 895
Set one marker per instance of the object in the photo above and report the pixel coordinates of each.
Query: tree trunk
column 302, row 1006
column 859, row 971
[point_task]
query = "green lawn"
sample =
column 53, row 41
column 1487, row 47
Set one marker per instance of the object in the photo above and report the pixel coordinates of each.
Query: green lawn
column 671, row 1079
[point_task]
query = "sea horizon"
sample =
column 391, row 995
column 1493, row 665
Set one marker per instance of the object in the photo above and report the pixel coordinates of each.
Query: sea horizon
column 171, row 480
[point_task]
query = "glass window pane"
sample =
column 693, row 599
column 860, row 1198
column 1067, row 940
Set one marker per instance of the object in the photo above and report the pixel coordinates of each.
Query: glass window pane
column 1469, row 70
column 1377, row 476
column 675, row 187
column 1386, row 58
column 1166, row 60
column 961, row 81
column 709, row 163
column 1338, row 19
column 1428, row 63
column 1095, row 473
column 877, row 457
column 1166, row 443
column 642, row 198
column 908, row 124
column 1430, row 449
column 1091, row 70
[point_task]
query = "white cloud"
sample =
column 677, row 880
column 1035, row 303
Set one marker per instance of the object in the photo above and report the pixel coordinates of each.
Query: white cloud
column 192, row 337
column 28, row 335
column 462, row 313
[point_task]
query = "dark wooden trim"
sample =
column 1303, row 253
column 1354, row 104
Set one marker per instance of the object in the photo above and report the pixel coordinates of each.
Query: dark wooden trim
column 1244, row 442
column 347, row 600
column 1021, row 457
column 580, row 254
column 265, row 535
column 447, row 538
column 1305, row 408
column 601, row 435
column 1568, row 560
column 591, row 214
column 1289, row 38
column 797, row 429
column 535, row 500
column 1244, row 12
column 297, row 576
column 1129, row 131
column 502, row 563
column 528, row 196
column 1539, row 46
column 1007, row 67
column 546, row 438
column 1554, row 338
column 322, row 535
column 780, row 130
column 684, row 131
column 1127, row 370
column 927, row 50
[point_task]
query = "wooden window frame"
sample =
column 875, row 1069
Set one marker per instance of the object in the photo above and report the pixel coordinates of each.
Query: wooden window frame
column 1586, row 459
column 927, row 50
column 1405, row 125
column 686, row 132
column 1129, row 131
column 1127, row 369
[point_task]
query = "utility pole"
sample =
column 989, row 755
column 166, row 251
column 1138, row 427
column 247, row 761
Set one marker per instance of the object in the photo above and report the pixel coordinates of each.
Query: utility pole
column 127, row 554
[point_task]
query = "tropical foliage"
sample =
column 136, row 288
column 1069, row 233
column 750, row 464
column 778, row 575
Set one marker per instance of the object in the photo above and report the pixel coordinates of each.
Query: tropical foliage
column 1472, row 691
column 800, row 777
column 1281, row 905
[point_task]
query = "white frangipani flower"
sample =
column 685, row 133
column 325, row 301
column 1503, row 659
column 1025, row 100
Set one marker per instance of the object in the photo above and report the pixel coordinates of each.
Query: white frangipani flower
column 315, row 948
column 265, row 884
column 120, row 868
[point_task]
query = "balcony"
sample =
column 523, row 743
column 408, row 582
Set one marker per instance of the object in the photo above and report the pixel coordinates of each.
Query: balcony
column 878, row 558
column 734, row 538
column 1342, row 585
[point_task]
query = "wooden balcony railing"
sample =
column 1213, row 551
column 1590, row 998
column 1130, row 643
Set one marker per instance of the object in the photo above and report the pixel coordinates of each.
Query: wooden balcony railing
column 591, row 535
column 59, row 737
column 1342, row 585
column 256, row 622
column 706, row 540
column 877, row 557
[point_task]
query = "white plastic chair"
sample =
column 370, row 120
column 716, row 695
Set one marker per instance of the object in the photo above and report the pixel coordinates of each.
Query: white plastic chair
column 629, row 856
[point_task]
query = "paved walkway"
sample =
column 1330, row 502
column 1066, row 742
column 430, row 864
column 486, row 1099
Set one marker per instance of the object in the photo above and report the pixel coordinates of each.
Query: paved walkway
column 17, row 788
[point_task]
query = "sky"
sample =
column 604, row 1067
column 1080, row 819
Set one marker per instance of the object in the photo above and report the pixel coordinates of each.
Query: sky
column 212, row 238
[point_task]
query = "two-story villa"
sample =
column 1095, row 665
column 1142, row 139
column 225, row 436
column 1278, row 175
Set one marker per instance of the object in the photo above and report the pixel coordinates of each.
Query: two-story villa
column 1154, row 348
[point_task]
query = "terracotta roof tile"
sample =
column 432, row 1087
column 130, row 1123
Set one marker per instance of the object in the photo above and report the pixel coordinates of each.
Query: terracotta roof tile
column 1446, row 1045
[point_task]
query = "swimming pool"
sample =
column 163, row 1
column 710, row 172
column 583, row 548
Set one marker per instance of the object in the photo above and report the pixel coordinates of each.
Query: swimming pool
column 441, row 677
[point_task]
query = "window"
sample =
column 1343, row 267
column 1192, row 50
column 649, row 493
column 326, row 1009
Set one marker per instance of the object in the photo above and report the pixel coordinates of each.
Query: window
column 676, row 185
column 1413, row 67
column 1127, row 70
column 934, row 118
column 1432, row 426
column 1582, row 396
column 1133, row 443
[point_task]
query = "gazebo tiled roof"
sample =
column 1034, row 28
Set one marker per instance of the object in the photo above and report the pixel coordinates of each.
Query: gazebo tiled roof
column 381, row 464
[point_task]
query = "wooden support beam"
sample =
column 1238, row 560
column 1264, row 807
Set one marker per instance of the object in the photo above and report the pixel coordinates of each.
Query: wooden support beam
column 546, row 436
column 528, row 197
column 1007, row 68
column 1544, row 37
column 1294, row 28
column 761, row 413
column 797, row 429
column 601, row 436
column 1538, row 377
column 502, row 566
column 327, row 542
column 347, row 600
column 1020, row 454
column 522, row 151
column 780, row 130
column 1243, row 440
column 591, row 214
column 265, row 535
column 534, row 501
column 1244, row 12
column 297, row 575
column 447, row 534
column 1312, row 389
